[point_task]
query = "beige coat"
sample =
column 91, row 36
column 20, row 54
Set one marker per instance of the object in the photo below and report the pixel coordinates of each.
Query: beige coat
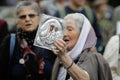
column 112, row 56
column 93, row 63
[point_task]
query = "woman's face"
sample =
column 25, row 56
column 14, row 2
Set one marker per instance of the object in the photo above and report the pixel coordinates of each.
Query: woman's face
column 71, row 34
column 28, row 19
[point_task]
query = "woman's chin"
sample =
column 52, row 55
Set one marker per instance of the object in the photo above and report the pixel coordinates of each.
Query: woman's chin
column 69, row 49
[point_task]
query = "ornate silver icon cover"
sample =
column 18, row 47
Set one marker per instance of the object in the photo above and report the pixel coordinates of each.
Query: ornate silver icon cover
column 48, row 32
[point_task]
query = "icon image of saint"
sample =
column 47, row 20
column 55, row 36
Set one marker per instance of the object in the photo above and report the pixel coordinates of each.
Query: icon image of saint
column 48, row 32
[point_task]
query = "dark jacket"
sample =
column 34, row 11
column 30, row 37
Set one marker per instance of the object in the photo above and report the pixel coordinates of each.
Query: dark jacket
column 3, row 29
column 91, row 62
column 13, row 70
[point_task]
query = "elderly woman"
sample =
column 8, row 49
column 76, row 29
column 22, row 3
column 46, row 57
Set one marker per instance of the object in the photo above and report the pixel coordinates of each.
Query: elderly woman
column 19, row 59
column 75, row 60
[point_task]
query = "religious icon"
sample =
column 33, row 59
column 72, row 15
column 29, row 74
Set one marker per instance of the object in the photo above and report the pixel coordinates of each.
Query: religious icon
column 48, row 32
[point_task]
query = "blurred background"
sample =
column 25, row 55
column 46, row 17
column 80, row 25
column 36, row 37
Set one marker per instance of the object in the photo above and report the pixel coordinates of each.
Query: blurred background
column 107, row 12
column 7, row 9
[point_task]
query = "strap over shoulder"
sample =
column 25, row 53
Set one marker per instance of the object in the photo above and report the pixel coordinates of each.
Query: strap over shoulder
column 12, row 44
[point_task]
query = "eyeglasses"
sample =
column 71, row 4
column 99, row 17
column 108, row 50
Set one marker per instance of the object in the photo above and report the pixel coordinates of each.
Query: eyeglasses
column 29, row 15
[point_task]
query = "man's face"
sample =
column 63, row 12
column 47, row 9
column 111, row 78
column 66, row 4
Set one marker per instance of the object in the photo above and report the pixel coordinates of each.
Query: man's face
column 28, row 19
column 78, row 2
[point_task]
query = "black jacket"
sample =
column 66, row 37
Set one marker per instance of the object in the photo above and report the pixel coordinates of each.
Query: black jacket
column 13, row 70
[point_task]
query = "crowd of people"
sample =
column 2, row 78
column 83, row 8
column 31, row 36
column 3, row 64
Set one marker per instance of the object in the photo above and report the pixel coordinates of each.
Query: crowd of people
column 89, row 49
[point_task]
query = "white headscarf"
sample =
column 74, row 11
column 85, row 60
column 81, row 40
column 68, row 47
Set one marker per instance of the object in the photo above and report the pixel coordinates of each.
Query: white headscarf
column 83, row 37
column 87, row 39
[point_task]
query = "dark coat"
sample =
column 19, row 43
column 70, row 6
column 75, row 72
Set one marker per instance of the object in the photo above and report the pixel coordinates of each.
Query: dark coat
column 13, row 70
column 3, row 29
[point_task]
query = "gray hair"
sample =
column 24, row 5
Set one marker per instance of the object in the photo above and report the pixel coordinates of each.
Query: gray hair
column 31, row 4
column 78, row 17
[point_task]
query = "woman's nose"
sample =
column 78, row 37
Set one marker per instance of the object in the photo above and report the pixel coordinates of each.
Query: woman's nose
column 27, row 18
column 65, row 33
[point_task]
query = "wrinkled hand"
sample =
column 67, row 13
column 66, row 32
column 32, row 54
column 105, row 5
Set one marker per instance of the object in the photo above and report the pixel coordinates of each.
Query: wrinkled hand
column 60, row 47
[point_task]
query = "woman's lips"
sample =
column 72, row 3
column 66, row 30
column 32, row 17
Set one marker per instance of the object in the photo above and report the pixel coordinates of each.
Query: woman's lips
column 66, row 40
column 28, row 24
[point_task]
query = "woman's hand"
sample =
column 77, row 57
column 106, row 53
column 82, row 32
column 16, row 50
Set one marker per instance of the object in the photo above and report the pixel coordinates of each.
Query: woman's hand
column 75, row 71
column 60, row 47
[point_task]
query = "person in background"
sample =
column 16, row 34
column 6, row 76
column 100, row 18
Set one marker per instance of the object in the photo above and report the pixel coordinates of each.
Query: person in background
column 112, row 56
column 53, row 6
column 3, row 29
column 106, row 26
column 77, row 6
column 19, row 58
column 75, row 60
column 109, row 11
column 116, row 20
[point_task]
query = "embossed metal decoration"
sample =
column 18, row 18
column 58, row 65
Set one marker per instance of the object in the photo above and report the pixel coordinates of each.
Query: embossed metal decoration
column 48, row 32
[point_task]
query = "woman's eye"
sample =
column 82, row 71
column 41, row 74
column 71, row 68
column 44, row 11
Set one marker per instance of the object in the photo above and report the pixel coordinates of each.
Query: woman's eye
column 70, row 29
